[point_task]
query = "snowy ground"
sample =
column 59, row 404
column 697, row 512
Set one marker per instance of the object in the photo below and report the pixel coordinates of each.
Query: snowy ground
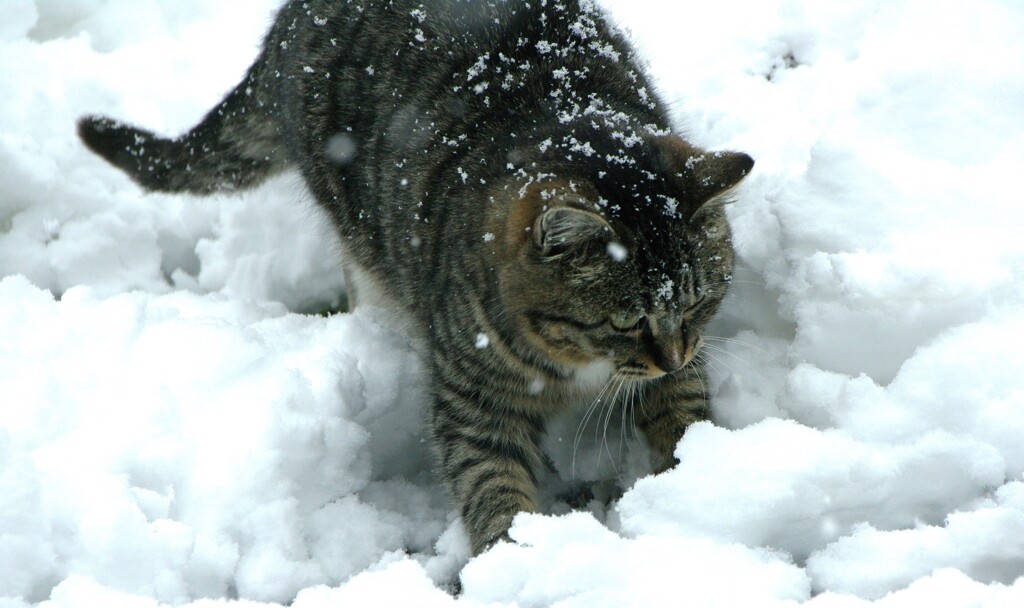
column 172, row 429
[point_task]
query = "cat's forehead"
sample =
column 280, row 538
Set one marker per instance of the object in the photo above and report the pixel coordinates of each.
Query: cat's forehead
column 651, row 228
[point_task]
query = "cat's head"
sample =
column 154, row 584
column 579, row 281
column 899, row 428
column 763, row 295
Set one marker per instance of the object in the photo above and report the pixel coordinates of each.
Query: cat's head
column 628, row 273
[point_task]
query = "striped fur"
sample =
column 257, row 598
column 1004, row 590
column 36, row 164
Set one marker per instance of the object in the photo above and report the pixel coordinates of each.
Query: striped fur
column 505, row 174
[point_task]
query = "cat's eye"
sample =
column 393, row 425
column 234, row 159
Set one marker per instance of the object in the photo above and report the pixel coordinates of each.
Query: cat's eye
column 626, row 321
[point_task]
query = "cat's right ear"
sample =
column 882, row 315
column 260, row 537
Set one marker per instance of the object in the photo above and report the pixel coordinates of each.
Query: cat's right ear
column 715, row 173
column 562, row 229
column 706, row 175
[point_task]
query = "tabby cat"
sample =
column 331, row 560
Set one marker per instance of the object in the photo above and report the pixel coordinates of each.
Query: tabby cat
column 504, row 173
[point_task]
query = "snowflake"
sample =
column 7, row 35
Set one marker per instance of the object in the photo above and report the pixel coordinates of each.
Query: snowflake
column 666, row 290
column 617, row 251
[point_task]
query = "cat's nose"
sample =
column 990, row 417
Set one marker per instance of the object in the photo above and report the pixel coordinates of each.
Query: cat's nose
column 669, row 358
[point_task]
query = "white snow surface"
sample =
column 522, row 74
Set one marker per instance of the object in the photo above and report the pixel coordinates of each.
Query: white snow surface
column 176, row 428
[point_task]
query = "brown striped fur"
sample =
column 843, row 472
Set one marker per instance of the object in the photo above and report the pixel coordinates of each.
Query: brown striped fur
column 504, row 173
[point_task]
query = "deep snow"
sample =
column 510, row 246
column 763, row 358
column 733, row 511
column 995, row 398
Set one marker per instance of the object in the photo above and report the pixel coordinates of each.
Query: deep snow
column 176, row 426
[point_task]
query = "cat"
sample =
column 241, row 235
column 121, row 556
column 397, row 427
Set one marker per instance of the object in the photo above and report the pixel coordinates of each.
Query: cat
column 504, row 173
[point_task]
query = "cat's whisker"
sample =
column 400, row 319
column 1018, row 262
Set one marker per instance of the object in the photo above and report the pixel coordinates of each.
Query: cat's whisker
column 703, row 386
column 713, row 361
column 627, row 402
column 736, row 282
column 602, row 414
column 704, row 361
column 748, row 269
column 736, row 341
column 710, row 356
column 612, row 403
column 627, row 408
column 586, row 417
column 583, row 424
column 711, row 348
column 632, row 411
column 643, row 405
column 630, row 430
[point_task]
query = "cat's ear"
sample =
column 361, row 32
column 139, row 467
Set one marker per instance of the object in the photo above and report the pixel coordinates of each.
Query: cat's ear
column 562, row 229
column 706, row 175
column 712, row 174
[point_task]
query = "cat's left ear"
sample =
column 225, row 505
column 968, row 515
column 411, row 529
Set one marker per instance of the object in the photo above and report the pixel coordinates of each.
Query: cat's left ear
column 561, row 229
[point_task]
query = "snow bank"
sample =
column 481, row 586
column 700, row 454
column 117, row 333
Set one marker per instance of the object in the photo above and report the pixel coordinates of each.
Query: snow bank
column 173, row 431
column 184, row 445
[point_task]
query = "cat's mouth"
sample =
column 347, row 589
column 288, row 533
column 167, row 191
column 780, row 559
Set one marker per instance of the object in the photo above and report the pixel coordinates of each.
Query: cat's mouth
column 660, row 361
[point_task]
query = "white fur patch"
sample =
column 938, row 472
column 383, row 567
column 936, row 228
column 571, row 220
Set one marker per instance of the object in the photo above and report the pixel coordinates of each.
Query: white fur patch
column 593, row 376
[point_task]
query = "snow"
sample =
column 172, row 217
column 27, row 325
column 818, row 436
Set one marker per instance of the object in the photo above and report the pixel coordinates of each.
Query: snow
column 617, row 251
column 179, row 424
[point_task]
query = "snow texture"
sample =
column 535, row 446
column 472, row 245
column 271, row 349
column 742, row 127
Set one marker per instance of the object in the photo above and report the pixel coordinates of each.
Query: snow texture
column 178, row 425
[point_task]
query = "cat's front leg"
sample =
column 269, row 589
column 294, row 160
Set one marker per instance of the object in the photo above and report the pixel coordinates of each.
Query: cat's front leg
column 489, row 456
column 672, row 403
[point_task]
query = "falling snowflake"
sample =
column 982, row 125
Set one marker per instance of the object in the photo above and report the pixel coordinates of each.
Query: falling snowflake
column 617, row 251
column 341, row 148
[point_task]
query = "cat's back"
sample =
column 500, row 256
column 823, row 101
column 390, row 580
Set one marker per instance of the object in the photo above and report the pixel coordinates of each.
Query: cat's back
column 399, row 34
column 415, row 123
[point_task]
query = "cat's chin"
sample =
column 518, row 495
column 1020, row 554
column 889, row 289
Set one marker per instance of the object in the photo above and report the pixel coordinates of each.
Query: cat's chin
column 640, row 375
column 597, row 373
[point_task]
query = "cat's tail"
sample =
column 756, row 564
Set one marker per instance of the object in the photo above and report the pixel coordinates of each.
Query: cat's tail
column 235, row 146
